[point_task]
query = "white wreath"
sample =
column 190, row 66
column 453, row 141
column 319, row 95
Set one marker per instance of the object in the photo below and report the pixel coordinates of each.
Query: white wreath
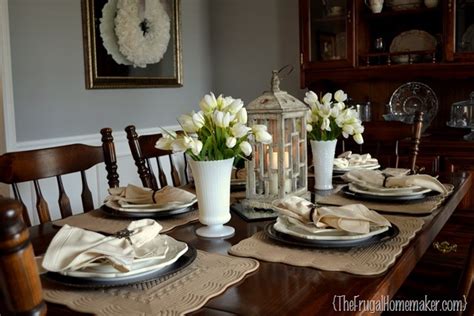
column 142, row 40
column 107, row 33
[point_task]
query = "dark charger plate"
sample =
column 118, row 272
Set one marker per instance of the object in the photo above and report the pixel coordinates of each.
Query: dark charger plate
column 399, row 198
column 301, row 242
column 185, row 260
column 147, row 214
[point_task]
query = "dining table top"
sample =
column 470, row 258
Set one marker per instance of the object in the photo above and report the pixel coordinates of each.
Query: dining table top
column 281, row 289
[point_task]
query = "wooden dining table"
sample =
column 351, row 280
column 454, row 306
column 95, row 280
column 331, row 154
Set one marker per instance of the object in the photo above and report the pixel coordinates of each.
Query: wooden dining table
column 281, row 289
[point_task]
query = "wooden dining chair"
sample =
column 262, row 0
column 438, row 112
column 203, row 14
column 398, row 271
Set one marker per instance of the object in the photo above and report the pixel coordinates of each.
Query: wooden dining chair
column 144, row 152
column 382, row 138
column 33, row 165
column 20, row 285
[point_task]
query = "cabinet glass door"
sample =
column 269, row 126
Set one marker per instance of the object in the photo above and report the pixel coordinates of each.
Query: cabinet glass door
column 330, row 33
column 465, row 26
column 461, row 30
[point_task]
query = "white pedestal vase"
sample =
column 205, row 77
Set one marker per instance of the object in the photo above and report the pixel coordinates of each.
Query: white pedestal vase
column 212, row 182
column 323, row 159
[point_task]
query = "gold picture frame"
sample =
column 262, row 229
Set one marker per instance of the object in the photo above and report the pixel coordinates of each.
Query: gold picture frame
column 101, row 70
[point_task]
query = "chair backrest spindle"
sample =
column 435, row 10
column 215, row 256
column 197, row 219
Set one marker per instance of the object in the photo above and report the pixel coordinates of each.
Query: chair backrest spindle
column 86, row 195
column 161, row 174
column 24, row 210
column 64, row 203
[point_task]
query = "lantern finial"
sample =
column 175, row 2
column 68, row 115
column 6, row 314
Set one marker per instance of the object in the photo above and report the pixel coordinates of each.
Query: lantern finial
column 275, row 81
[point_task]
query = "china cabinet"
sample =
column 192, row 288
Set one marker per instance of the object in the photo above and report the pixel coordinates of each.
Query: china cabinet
column 344, row 40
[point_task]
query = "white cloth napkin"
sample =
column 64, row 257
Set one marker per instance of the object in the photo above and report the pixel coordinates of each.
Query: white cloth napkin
column 348, row 159
column 377, row 179
column 132, row 194
column 353, row 218
column 74, row 248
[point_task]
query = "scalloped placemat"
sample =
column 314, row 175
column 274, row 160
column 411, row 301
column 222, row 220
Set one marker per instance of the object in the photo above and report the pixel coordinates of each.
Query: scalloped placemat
column 423, row 207
column 98, row 221
column 185, row 291
column 371, row 260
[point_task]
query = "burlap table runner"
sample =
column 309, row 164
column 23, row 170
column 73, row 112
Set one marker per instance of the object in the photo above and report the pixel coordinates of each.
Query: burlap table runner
column 371, row 260
column 185, row 291
column 423, row 207
column 99, row 221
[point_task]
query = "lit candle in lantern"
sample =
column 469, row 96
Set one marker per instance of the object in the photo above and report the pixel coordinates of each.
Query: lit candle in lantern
column 274, row 173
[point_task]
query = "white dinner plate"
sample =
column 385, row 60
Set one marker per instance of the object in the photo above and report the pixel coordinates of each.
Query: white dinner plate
column 289, row 226
column 390, row 192
column 396, row 191
column 371, row 166
column 147, row 207
column 175, row 250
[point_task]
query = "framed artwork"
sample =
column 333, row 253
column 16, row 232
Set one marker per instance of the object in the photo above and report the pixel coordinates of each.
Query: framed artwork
column 132, row 43
column 327, row 46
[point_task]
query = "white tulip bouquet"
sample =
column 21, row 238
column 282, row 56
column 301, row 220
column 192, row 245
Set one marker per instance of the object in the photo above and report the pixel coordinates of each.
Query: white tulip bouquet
column 328, row 119
column 219, row 131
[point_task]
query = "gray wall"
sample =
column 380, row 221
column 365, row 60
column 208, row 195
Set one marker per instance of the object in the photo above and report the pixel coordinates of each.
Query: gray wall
column 229, row 46
column 48, row 74
column 250, row 38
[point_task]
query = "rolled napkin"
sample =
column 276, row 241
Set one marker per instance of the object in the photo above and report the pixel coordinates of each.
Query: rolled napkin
column 75, row 248
column 353, row 218
column 377, row 179
column 348, row 159
column 135, row 195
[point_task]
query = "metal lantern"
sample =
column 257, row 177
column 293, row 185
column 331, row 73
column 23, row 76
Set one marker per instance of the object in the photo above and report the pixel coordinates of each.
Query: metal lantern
column 278, row 169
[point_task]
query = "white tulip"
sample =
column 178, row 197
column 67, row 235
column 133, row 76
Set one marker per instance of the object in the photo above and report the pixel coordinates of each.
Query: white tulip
column 258, row 128
column 311, row 97
column 235, row 106
column 181, row 144
column 327, row 98
column 309, row 116
column 166, row 142
column 196, row 146
column 230, row 142
column 358, row 128
column 340, row 96
column 223, row 102
column 335, row 111
column 240, row 130
column 242, row 116
column 261, row 134
column 347, row 130
column 359, row 139
column 187, row 123
column 246, row 148
column 222, row 119
column 208, row 103
column 309, row 127
column 326, row 124
column 198, row 119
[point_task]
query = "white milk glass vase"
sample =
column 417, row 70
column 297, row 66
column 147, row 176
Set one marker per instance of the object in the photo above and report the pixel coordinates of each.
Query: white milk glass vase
column 323, row 159
column 212, row 182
